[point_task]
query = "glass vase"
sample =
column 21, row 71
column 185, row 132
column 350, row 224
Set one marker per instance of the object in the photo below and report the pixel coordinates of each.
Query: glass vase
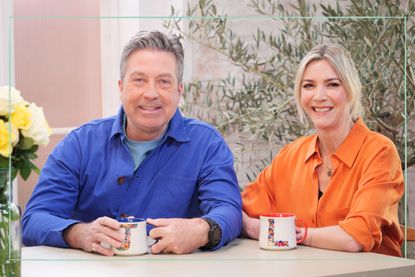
column 10, row 234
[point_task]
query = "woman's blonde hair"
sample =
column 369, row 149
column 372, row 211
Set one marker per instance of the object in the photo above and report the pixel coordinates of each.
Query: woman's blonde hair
column 344, row 66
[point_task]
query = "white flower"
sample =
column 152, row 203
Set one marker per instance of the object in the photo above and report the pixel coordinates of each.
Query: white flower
column 39, row 130
column 14, row 99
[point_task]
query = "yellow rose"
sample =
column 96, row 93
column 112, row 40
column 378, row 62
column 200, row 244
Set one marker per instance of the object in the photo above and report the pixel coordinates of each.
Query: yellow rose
column 6, row 146
column 39, row 130
column 21, row 117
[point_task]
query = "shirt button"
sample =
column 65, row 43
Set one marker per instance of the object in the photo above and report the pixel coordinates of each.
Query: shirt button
column 121, row 180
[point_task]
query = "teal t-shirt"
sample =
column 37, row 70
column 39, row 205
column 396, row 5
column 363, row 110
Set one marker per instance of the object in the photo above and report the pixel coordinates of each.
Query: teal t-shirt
column 140, row 149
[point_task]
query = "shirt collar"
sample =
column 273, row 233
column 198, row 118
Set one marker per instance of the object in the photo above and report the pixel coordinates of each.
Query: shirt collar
column 117, row 127
column 348, row 150
column 312, row 148
column 176, row 128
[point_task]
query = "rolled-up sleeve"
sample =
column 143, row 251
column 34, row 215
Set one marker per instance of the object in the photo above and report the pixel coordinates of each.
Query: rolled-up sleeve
column 375, row 204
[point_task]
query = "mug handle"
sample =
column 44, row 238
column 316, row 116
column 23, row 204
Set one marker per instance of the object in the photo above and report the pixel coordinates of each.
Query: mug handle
column 305, row 230
column 150, row 241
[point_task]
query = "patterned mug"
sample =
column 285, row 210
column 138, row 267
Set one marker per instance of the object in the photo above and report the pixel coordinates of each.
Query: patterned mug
column 278, row 231
column 135, row 237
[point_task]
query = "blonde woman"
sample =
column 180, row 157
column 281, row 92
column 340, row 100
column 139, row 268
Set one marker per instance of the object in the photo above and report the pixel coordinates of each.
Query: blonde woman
column 345, row 180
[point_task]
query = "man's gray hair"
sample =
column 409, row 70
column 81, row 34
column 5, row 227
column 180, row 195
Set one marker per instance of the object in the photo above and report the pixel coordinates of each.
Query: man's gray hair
column 154, row 40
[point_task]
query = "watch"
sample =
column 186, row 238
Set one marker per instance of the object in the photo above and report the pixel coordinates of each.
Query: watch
column 214, row 235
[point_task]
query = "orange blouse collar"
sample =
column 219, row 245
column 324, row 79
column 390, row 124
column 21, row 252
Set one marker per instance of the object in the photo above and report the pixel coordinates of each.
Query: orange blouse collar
column 348, row 150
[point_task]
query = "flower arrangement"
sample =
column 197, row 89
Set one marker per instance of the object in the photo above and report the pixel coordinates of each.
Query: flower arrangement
column 23, row 127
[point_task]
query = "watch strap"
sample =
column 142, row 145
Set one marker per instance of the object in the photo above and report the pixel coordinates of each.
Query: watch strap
column 214, row 234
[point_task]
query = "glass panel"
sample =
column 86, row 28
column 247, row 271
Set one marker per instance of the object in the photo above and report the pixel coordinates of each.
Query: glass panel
column 246, row 70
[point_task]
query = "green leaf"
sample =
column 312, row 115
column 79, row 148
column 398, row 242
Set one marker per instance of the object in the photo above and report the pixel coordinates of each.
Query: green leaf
column 34, row 167
column 25, row 143
column 25, row 170
column 4, row 162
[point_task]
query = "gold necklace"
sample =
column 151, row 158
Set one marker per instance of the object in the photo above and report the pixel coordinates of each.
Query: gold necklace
column 329, row 170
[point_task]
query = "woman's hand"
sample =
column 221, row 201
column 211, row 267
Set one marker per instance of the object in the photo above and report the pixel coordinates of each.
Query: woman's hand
column 250, row 226
column 332, row 237
column 299, row 233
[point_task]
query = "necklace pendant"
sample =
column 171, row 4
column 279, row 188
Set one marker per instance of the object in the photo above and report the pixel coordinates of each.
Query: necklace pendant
column 329, row 172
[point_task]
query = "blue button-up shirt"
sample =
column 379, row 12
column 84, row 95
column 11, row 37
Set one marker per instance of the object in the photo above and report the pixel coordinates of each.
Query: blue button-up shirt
column 91, row 174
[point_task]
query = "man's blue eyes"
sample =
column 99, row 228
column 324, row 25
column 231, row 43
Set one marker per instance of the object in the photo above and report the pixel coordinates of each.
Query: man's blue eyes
column 160, row 81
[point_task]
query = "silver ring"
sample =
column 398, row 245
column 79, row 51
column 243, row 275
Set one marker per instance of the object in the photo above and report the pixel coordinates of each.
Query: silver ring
column 93, row 248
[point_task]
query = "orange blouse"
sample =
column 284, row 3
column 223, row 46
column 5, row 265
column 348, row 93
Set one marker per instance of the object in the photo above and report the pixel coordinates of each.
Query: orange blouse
column 362, row 196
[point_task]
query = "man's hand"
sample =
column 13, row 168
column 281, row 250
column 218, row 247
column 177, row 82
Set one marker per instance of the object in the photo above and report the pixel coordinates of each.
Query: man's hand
column 178, row 235
column 88, row 236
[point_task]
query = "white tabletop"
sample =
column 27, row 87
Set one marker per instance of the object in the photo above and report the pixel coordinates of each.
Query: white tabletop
column 242, row 257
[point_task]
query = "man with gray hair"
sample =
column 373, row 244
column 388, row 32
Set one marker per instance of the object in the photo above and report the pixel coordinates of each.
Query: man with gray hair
column 148, row 161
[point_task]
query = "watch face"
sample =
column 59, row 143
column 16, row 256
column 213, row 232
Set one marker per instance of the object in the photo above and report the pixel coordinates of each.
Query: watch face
column 216, row 234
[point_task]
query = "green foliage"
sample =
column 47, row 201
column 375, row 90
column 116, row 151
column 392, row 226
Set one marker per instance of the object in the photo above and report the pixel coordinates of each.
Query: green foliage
column 256, row 100
column 22, row 156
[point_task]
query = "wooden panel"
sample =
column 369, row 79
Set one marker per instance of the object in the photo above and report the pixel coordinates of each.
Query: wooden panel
column 57, row 66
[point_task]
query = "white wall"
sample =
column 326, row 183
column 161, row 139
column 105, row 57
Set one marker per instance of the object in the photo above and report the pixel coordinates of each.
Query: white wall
column 7, row 64
column 120, row 21
column 6, row 9
column 57, row 66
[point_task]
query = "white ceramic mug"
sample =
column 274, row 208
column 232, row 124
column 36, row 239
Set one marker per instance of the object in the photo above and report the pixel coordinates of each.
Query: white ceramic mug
column 277, row 231
column 135, row 237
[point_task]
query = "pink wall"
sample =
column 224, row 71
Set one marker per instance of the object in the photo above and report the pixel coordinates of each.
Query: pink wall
column 57, row 65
